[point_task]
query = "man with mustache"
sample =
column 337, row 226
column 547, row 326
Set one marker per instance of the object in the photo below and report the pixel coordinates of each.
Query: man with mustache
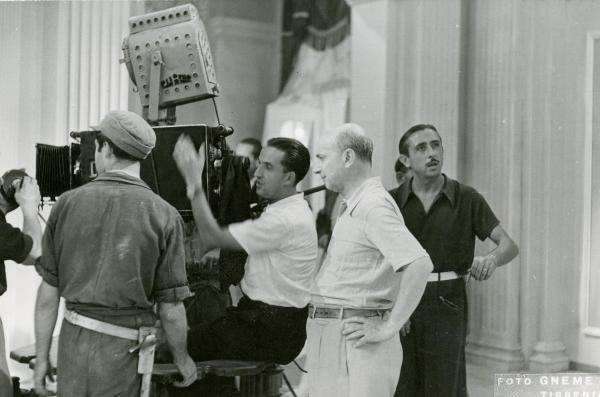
column 445, row 216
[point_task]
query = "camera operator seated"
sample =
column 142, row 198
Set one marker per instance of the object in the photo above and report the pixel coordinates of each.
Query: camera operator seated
column 17, row 190
column 269, row 323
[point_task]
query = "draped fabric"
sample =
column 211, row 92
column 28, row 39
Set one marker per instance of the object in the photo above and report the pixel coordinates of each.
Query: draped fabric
column 316, row 23
column 314, row 100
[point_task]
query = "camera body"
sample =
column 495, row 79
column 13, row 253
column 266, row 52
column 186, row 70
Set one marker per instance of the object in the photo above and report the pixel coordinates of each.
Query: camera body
column 10, row 181
column 62, row 168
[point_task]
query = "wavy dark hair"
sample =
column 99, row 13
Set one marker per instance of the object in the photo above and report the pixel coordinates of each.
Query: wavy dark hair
column 296, row 157
column 403, row 144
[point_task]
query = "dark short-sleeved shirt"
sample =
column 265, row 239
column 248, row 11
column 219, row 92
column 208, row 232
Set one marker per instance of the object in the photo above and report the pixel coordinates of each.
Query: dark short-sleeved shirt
column 113, row 248
column 448, row 230
column 14, row 245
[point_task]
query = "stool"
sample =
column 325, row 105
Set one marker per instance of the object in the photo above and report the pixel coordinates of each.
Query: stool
column 257, row 379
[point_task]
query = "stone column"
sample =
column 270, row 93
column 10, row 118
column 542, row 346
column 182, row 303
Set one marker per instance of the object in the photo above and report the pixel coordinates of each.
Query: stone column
column 492, row 164
column 373, row 78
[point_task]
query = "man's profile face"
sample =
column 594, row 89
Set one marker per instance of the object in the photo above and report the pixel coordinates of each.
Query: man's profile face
column 271, row 175
column 247, row 150
column 426, row 153
column 330, row 165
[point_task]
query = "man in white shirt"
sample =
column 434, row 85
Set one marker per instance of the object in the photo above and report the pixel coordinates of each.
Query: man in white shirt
column 371, row 281
column 269, row 323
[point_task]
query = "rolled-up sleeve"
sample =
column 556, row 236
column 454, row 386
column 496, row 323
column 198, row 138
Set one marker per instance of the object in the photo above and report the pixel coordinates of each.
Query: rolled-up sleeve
column 171, row 284
column 386, row 230
column 47, row 264
column 266, row 233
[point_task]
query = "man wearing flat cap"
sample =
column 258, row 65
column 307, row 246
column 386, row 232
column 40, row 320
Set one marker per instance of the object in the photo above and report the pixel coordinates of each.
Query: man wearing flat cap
column 112, row 249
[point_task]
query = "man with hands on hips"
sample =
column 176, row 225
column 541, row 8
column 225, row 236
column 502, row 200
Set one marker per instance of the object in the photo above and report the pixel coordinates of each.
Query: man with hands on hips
column 445, row 216
column 370, row 282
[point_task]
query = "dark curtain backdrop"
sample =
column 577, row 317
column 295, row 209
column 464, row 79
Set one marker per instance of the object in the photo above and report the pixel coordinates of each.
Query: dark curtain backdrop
column 321, row 24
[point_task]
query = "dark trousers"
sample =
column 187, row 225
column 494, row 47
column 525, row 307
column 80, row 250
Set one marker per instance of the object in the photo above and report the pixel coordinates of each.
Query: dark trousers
column 252, row 331
column 434, row 349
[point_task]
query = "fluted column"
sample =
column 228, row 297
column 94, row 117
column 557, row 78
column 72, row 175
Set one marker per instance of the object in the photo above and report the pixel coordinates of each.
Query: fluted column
column 492, row 164
column 246, row 56
column 97, row 81
column 373, row 99
column 552, row 253
column 10, row 17
column 406, row 62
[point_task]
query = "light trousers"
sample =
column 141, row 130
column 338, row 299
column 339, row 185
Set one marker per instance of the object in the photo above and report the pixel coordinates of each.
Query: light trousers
column 338, row 369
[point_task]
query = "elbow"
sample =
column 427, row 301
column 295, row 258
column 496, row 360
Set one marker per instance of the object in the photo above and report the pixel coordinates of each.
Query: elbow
column 424, row 265
column 513, row 250
column 428, row 265
column 170, row 312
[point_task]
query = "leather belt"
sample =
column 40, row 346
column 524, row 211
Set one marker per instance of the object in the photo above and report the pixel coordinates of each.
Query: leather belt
column 101, row 326
column 343, row 312
column 147, row 338
column 442, row 276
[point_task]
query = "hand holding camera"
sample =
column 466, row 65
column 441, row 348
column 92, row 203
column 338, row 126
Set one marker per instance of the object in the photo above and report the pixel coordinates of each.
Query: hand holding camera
column 27, row 193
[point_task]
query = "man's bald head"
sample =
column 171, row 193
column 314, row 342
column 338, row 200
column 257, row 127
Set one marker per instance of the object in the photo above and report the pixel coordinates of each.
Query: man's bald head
column 352, row 136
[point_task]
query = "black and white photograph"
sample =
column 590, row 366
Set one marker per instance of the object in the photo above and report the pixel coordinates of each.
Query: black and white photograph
column 300, row 198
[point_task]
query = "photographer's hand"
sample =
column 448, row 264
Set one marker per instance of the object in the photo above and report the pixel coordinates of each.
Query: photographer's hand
column 28, row 197
column 27, row 194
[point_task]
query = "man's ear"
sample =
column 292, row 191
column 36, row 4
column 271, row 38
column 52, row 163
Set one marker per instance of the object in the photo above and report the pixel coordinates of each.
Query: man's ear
column 109, row 149
column 405, row 160
column 348, row 157
column 290, row 177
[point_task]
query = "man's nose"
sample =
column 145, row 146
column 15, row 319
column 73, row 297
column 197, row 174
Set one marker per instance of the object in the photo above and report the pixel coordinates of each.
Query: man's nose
column 431, row 151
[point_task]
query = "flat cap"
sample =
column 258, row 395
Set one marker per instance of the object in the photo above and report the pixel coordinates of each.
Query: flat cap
column 129, row 132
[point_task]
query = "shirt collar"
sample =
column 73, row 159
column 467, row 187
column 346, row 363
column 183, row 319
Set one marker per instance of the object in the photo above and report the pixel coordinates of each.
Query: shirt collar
column 355, row 198
column 286, row 201
column 448, row 190
column 122, row 177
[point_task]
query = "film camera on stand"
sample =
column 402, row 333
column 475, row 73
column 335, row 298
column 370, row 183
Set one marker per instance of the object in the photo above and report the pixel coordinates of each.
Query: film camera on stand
column 168, row 58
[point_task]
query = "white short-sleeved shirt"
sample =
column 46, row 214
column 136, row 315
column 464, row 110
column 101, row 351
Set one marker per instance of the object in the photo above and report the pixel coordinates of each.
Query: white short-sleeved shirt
column 369, row 243
column 282, row 253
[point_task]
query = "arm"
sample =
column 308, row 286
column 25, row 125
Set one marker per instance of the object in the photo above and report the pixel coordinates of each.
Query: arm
column 174, row 324
column 412, row 286
column 28, row 198
column 385, row 228
column 191, row 165
column 506, row 250
column 46, row 310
